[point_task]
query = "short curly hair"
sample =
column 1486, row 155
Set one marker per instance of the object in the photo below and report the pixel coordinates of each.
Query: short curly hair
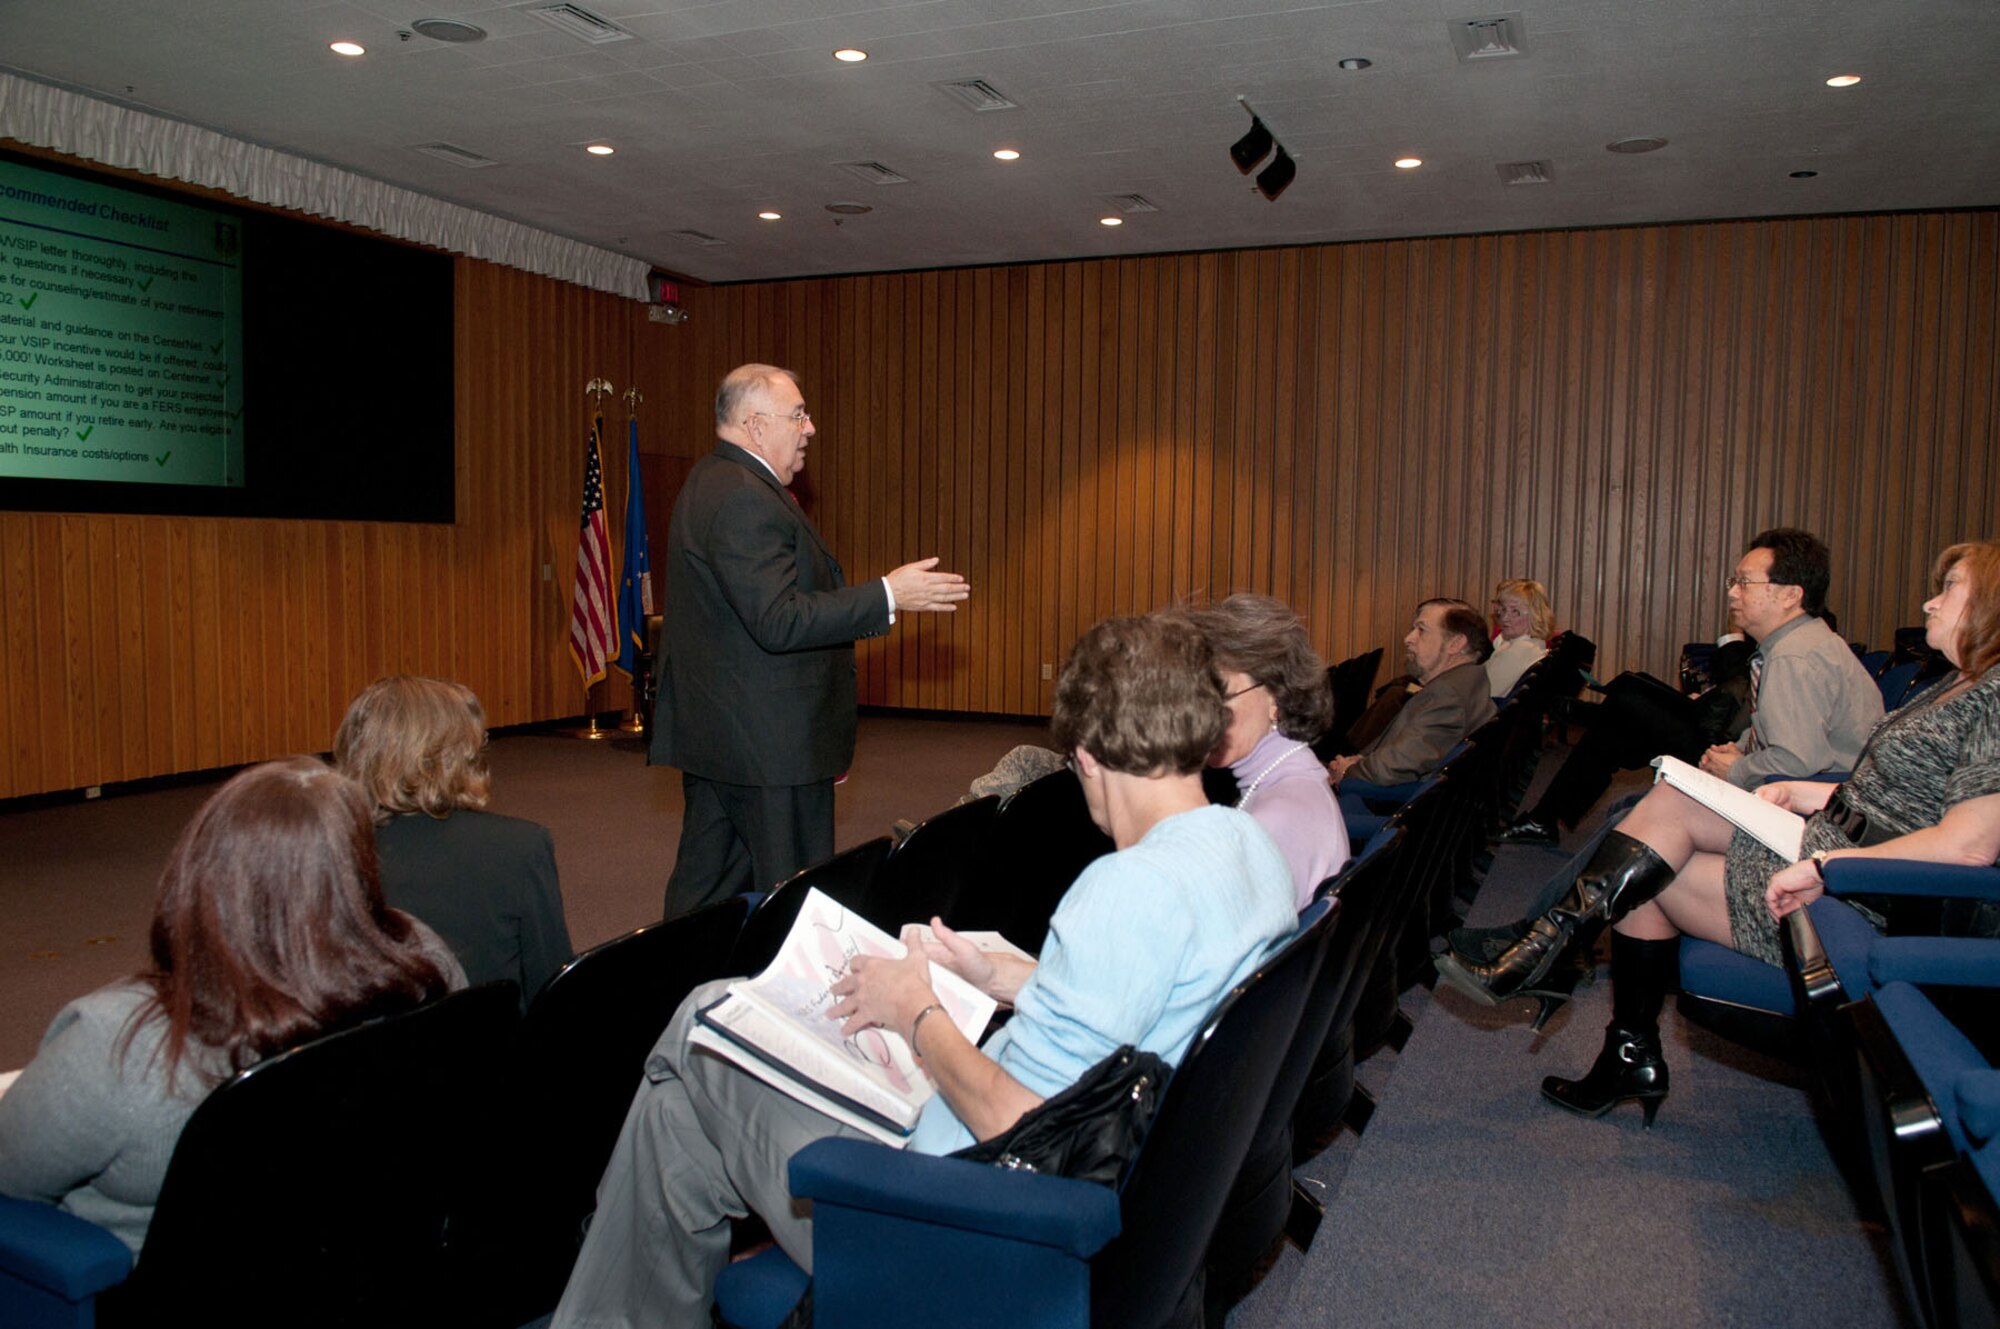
column 415, row 745
column 1261, row 637
column 1141, row 695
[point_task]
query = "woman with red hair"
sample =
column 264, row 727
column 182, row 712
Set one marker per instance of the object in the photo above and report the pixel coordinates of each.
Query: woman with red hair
column 269, row 930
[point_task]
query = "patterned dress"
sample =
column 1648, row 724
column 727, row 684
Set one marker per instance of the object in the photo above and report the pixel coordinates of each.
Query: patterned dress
column 1920, row 762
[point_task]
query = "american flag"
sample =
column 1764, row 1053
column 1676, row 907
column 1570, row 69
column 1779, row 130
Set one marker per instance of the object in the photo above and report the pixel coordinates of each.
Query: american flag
column 593, row 613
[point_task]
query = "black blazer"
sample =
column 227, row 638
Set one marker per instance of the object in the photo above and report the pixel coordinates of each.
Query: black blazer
column 757, row 682
column 487, row 885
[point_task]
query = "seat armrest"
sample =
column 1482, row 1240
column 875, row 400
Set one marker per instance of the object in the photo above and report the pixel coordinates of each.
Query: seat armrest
column 1972, row 962
column 1074, row 1217
column 57, row 1252
column 1897, row 876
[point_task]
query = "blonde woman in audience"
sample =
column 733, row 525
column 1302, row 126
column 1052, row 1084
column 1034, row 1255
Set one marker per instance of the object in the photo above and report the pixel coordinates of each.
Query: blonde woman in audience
column 1523, row 622
column 487, row 883
column 269, row 930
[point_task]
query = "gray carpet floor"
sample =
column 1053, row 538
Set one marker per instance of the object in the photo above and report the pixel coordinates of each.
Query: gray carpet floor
column 1470, row 1201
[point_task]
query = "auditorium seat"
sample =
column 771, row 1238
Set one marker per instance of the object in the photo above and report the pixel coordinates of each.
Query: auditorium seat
column 347, row 1181
column 903, row 1239
column 585, row 1041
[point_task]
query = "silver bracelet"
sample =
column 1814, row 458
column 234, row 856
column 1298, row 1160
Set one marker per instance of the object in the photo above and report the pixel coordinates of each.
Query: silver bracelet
column 918, row 1023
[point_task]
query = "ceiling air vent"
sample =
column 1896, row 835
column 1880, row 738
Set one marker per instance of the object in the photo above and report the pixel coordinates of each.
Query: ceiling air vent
column 1130, row 203
column 697, row 237
column 875, row 173
column 457, row 156
column 976, row 94
column 1495, row 37
column 1525, row 173
column 448, row 30
column 580, row 23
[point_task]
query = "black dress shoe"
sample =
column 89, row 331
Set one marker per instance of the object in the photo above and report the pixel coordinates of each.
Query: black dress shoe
column 1630, row 1067
column 1525, row 829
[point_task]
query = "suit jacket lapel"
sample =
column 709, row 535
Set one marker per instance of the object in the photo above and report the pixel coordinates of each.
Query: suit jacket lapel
column 751, row 463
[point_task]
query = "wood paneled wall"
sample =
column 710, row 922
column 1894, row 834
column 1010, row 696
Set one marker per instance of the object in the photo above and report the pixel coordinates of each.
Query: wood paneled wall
column 1353, row 428
column 143, row 646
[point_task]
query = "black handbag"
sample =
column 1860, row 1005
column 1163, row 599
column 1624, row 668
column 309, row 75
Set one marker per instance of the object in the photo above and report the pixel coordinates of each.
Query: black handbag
column 1090, row 1131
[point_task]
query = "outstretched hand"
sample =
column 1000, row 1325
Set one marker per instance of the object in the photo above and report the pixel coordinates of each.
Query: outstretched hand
column 920, row 589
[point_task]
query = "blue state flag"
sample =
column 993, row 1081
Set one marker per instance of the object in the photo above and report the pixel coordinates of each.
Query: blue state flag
column 635, row 583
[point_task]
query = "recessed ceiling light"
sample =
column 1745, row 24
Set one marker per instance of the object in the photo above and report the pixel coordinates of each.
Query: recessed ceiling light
column 599, row 149
column 850, row 55
column 849, row 209
column 1408, row 163
column 1843, row 80
column 1631, row 146
column 349, row 49
column 1804, row 175
column 1110, row 221
column 1355, row 63
column 769, row 215
column 1007, row 154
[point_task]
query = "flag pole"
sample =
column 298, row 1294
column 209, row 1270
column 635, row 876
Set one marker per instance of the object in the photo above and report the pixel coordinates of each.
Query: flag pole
column 635, row 723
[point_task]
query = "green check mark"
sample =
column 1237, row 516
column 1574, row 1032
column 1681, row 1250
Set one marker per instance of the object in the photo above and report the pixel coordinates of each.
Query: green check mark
column 236, row 414
column 29, row 303
column 146, row 285
column 161, row 460
column 86, row 432
column 215, row 349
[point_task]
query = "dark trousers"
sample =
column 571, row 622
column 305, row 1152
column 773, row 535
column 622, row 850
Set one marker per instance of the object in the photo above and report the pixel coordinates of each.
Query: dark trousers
column 1639, row 719
column 742, row 837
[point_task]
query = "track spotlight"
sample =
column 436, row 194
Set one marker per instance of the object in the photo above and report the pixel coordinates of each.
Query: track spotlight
column 1247, row 151
column 1273, row 179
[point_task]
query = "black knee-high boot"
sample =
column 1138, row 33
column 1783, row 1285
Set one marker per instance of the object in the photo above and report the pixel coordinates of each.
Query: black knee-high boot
column 1623, row 874
column 1631, row 1064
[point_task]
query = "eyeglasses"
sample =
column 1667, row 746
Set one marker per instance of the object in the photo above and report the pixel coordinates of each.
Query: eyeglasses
column 1731, row 583
column 1247, row 687
column 798, row 417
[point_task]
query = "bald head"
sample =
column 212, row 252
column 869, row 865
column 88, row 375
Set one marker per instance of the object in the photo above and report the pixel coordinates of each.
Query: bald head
column 760, row 408
column 743, row 382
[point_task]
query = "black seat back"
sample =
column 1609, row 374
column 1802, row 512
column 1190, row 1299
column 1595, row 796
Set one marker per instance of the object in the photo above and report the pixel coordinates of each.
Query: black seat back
column 1352, row 681
column 1259, row 1203
column 585, row 1040
column 849, row 877
column 1151, row 1274
column 342, row 1182
column 945, row 868
column 1043, row 839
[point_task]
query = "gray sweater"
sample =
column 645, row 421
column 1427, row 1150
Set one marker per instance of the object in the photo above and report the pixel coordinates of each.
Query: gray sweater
column 91, row 1124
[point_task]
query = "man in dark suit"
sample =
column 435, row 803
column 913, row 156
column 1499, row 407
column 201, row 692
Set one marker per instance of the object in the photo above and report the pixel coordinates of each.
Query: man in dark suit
column 757, row 687
column 1446, row 651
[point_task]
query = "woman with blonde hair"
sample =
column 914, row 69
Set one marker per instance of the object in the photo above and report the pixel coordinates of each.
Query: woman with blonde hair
column 1523, row 622
column 487, row 883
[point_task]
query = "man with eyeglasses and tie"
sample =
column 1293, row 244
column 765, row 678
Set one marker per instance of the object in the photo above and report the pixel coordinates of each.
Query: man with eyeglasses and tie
column 757, row 688
column 1812, row 705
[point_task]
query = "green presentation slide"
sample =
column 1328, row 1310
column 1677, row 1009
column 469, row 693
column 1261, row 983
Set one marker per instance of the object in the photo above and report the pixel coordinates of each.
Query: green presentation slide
column 121, row 334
